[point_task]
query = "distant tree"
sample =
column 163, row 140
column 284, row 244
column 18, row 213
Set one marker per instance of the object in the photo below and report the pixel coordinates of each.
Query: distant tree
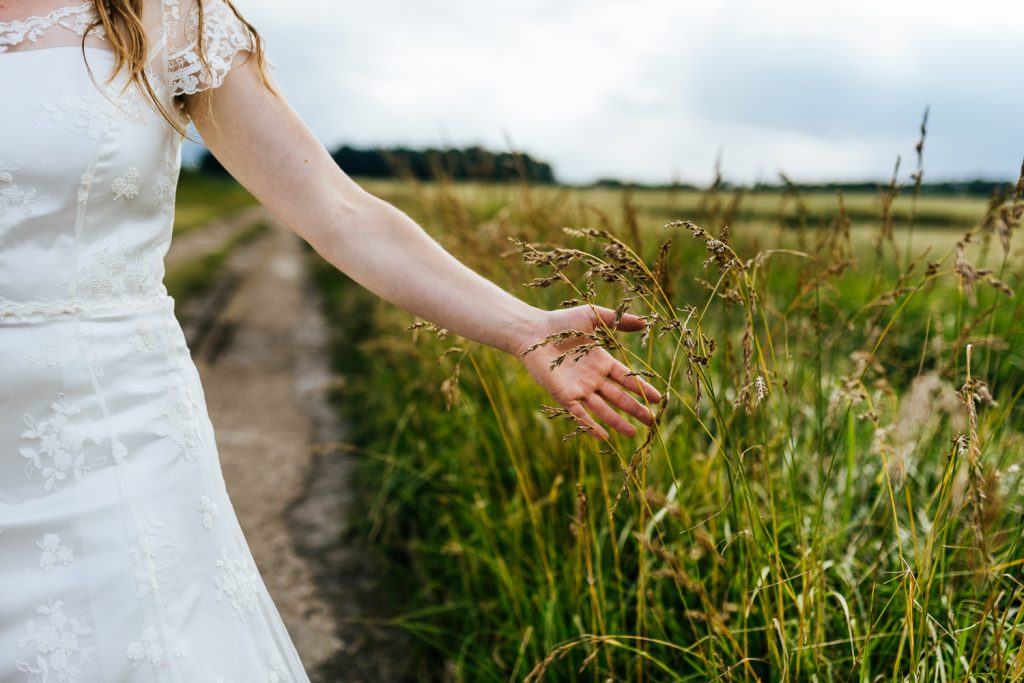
column 470, row 163
column 209, row 164
column 608, row 182
column 978, row 187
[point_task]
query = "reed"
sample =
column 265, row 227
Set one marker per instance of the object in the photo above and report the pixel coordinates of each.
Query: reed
column 831, row 491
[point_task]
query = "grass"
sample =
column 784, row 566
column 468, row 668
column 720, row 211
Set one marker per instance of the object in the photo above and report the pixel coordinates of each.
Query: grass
column 202, row 197
column 832, row 490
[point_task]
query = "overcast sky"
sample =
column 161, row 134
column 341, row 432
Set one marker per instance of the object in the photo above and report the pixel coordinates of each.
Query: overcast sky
column 649, row 89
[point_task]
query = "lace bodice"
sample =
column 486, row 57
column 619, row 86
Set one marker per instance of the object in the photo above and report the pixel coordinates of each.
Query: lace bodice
column 88, row 169
column 75, row 18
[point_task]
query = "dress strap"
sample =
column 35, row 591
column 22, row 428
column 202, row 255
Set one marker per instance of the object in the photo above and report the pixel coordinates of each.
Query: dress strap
column 75, row 18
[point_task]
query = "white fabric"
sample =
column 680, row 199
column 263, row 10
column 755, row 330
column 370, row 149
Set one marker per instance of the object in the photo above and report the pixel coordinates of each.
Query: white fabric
column 121, row 559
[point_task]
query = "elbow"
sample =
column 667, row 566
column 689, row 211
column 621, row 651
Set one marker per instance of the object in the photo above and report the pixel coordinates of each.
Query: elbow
column 337, row 215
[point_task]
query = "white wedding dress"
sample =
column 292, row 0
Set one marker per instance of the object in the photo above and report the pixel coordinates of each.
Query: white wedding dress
column 121, row 558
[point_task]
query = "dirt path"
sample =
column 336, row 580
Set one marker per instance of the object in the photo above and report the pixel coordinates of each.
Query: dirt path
column 261, row 346
column 211, row 237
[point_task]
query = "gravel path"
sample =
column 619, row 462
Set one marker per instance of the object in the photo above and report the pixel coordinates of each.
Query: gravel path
column 261, row 347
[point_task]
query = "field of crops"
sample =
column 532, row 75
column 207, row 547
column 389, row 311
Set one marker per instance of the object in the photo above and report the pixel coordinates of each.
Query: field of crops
column 831, row 492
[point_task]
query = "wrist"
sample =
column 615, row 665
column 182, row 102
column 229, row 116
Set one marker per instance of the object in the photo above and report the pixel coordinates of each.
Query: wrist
column 521, row 329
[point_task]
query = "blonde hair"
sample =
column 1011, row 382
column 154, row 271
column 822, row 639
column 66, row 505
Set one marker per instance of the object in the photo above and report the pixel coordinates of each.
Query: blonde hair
column 122, row 22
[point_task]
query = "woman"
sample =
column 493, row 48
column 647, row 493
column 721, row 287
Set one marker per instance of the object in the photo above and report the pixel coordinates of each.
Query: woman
column 120, row 555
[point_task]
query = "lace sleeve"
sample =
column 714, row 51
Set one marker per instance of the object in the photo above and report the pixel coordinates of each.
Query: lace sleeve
column 226, row 42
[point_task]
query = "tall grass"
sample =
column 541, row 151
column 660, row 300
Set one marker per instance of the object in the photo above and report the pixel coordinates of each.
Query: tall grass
column 832, row 489
column 205, row 197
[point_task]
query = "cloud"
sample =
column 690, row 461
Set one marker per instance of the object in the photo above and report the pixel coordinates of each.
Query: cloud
column 649, row 88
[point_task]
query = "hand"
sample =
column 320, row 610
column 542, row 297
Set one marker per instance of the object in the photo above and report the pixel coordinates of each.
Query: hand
column 592, row 382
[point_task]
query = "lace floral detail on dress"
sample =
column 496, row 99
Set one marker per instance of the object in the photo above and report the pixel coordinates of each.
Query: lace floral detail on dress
column 224, row 37
column 45, row 353
column 60, row 656
column 54, row 553
column 14, row 200
column 90, row 353
column 83, row 107
column 119, row 452
column 209, row 510
column 237, row 584
column 181, row 421
column 127, row 186
column 112, row 273
column 171, row 14
column 278, row 672
column 142, row 339
column 149, row 647
column 149, row 553
column 76, row 18
column 85, row 110
column 61, row 449
column 166, row 187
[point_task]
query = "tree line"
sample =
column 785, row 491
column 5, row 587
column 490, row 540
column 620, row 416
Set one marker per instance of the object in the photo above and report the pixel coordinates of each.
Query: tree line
column 977, row 187
column 469, row 163
column 478, row 163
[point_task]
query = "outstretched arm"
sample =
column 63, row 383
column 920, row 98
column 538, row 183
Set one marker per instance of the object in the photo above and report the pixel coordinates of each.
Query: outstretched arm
column 266, row 146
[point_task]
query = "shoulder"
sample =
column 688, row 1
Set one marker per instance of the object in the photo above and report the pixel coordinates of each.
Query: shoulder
column 205, row 40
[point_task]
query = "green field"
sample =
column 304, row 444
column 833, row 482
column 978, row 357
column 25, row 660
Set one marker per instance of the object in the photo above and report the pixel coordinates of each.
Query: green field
column 202, row 198
column 817, row 500
column 938, row 221
column 832, row 491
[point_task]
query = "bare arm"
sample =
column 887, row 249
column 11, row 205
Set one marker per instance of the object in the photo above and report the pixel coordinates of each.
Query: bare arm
column 265, row 145
column 271, row 151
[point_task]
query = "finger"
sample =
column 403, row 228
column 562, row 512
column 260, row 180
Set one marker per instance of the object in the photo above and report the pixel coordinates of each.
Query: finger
column 576, row 408
column 631, row 323
column 603, row 411
column 620, row 399
column 634, row 383
column 628, row 323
